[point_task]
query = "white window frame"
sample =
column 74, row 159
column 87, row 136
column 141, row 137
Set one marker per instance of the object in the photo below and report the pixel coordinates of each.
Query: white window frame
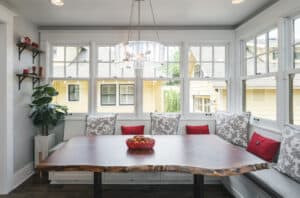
column 51, row 78
column 258, row 121
column 141, row 79
column 226, row 78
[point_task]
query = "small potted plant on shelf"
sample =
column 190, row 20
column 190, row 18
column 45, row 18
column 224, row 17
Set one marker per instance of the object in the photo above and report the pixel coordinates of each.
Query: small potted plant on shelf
column 45, row 115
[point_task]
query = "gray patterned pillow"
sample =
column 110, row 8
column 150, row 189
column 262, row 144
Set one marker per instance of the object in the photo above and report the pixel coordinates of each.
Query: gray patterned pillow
column 233, row 127
column 289, row 156
column 101, row 125
column 164, row 124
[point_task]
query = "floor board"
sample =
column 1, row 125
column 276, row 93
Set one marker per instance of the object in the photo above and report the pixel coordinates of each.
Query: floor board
column 40, row 188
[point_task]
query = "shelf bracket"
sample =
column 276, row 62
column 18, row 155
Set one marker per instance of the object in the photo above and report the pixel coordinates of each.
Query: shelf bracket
column 21, row 49
column 34, row 55
column 35, row 81
column 21, row 78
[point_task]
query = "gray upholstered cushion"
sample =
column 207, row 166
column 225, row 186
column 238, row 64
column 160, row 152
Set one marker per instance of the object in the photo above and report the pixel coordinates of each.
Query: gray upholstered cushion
column 164, row 124
column 289, row 156
column 277, row 184
column 101, row 124
column 233, row 127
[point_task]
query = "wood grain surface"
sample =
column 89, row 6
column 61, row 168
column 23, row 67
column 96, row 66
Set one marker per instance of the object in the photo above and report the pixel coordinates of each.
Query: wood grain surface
column 196, row 154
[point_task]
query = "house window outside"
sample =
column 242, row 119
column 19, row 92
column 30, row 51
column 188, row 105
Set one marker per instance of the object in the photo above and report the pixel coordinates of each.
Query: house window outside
column 70, row 67
column 201, row 104
column 73, row 93
column 108, row 95
column 126, row 96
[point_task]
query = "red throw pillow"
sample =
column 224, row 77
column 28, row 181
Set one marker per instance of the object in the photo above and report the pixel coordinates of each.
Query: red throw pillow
column 132, row 130
column 263, row 147
column 197, row 130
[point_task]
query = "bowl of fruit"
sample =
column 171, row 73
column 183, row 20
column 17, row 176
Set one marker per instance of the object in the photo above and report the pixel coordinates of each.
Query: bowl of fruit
column 140, row 142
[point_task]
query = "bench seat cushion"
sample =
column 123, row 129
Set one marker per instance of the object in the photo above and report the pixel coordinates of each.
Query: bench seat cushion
column 276, row 183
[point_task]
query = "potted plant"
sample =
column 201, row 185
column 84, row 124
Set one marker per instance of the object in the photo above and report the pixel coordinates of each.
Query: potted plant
column 45, row 115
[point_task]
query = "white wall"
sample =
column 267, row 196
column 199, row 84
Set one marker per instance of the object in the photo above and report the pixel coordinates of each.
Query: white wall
column 23, row 128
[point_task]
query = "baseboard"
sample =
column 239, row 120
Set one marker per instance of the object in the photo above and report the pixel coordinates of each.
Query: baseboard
column 22, row 175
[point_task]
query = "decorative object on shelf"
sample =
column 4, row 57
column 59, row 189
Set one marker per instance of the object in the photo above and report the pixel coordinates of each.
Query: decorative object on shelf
column 26, row 40
column 26, row 46
column 35, row 45
column 35, row 79
column 43, row 113
column 25, row 71
column 33, row 69
column 136, row 53
column 140, row 142
column 41, row 72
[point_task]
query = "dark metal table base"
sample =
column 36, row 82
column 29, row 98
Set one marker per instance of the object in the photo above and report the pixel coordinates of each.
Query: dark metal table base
column 198, row 186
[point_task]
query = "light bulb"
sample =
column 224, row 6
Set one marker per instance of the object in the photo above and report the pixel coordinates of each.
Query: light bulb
column 237, row 1
column 58, row 3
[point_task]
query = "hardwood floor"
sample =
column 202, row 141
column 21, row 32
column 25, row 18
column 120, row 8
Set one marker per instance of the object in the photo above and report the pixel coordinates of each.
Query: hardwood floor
column 40, row 188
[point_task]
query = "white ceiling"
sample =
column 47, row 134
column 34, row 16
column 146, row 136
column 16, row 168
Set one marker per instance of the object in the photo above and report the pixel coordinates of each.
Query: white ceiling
column 116, row 12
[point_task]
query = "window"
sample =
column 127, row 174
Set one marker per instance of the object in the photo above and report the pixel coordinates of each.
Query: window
column 73, row 93
column 126, row 96
column 108, row 94
column 69, row 74
column 296, row 44
column 260, row 96
column 207, row 73
column 261, row 54
column 295, row 98
column 207, row 61
column 161, row 84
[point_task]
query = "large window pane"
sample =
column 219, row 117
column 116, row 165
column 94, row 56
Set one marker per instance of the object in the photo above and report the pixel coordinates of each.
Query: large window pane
column 206, row 54
column 250, row 66
column 261, row 64
column 250, row 49
column 219, row 71
column 173, row 54
column 161, row 96
column 71, row 70
column 273, row 40
column 208, row 96
column 194, row 54
column 261, row 44
column 297, row 56
column 104, row 54
column 261, row 97
column 58, row 53
column 273, row 61
column 219, row 53
column 297, row 30
column 77, row 101
column 296, row 100
column 206, row 69
column 115, row 96
column 58, row 70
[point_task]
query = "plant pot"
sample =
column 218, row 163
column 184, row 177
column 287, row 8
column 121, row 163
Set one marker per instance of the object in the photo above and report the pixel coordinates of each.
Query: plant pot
column 42, row 145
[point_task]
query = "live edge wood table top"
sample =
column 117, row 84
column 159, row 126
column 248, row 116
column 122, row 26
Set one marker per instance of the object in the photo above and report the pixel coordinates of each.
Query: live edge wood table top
column 195, row 154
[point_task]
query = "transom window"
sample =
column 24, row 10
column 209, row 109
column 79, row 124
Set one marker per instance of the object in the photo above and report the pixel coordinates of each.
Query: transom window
column 261, row 54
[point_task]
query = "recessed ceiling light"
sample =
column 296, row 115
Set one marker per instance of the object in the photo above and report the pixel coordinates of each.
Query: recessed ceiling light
column 59, row 3
column 237, row 1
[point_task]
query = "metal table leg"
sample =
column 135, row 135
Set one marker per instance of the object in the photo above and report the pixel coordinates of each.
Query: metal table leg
column 97, row 185
column 198, row 186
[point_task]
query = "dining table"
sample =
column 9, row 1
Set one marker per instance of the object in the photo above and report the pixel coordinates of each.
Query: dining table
column 199, row 155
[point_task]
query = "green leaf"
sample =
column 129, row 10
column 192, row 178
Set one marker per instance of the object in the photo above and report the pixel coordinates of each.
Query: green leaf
column 42, row 100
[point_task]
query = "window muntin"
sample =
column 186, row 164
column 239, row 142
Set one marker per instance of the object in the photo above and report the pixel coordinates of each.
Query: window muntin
column 74, row 106
column 115, row 96
column 73, row 92
column 70, row 61
column 214, row 91
column 161, row 96
column 261, row 54
column 207, row 61
column 108, row 68
column 260, row 96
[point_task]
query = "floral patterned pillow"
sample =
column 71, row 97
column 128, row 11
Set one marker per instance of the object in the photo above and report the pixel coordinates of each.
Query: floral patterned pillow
column 289, row 156
column 164, row 124
column 101, row 125
column 233, row 127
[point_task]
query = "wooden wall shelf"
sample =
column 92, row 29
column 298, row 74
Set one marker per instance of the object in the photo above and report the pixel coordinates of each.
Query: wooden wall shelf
column 35, row 79
column 35, row 51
